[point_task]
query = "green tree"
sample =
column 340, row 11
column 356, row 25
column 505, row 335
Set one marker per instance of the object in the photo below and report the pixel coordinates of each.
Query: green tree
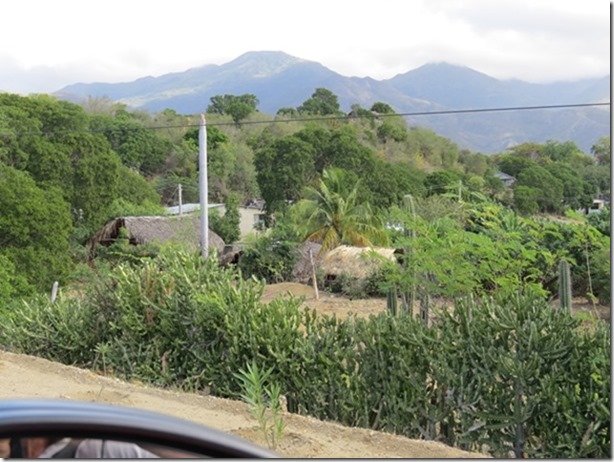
column 550, row 187
column 287, row 112
column 137, row 145
column 525, row 199
column 474, row 163
column 12, row 284
column 514, row 164
column 597, row 179
column 574, row 188
column 133, row 187
column 602, row 152
column 530, row 151
column 356, row 111
column 391, row 131
column 238, row 107
column 440, row 182
column 215, row 138
column 60, row 153
column 494, row 185
column 344, row 150
column 96, row 183
column 221, row 160
column 322, row 102
column 601, row 220
column 331, row 214
column 283, row 168
column 431, row 150
column 561, row 151
column 319, row 139
column 386, row 184
column 227, row 226
column 382, row 108
column 438, row 263
column 35, row 226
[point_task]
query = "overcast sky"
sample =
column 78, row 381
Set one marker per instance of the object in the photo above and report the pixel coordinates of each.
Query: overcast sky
column 47, row 44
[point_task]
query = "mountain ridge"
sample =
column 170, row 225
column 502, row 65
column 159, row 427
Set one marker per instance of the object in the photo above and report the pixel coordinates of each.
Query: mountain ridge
column 282, row 80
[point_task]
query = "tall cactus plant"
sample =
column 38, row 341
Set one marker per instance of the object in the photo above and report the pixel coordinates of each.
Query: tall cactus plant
column 391, row 301
column 410, row 297
column 425, row 302
column 564, row 285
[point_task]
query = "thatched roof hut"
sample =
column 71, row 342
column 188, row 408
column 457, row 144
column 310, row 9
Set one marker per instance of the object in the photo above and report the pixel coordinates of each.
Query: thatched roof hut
column 356, row 262
column 183, row 229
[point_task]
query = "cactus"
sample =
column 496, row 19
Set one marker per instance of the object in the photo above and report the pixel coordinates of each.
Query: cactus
column 411, row 296
column 407, row 306
column 391, row 301
column 425, row 301
column 564, row 285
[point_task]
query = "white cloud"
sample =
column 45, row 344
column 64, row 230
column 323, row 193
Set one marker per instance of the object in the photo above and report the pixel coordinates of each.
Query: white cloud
column 52, row 44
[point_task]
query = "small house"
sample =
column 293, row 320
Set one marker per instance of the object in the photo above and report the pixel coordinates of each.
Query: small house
column 182, row 229
column 508, row 180
column 251, row 214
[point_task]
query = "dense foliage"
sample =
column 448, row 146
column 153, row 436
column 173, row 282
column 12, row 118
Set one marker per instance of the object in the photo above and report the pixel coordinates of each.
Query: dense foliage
column 503, row 369
column 508, row 374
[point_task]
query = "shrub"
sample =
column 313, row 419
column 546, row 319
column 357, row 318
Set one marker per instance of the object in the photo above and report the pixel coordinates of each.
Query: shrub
column 508, row 372
column 269, row 259
column 601, row 274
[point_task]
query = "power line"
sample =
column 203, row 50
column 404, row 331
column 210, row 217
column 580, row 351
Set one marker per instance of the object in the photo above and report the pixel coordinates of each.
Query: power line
column 321, row 118
column 421, row 113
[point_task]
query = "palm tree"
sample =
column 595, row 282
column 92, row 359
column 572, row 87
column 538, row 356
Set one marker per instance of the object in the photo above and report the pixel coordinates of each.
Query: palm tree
column 331, row 214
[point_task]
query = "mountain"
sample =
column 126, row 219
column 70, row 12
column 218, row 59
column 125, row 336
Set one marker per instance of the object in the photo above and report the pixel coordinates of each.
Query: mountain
column 280, row 80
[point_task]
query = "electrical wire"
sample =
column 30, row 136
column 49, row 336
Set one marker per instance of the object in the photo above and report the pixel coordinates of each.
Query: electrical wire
column 320, row 118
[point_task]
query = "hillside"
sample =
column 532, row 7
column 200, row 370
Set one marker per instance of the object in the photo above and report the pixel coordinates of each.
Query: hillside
column 30, row 377
column 280, row 80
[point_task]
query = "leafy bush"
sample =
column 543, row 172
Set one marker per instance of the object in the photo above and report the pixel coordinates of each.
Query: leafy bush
column 601, row 274
column 601, row 221
column 227, row 226
column 507, row 372
column 65, row 331
column 268, row 258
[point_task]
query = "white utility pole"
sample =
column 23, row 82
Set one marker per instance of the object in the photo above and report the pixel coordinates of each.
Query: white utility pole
column 203, row 187
column 180, row 194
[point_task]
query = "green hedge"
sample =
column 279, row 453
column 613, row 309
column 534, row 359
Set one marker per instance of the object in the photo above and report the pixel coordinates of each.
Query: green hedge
column 507, row 374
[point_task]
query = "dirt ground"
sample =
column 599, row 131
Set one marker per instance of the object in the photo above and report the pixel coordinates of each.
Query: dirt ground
column 327, row 303
column 24, row 376
column 330, row 304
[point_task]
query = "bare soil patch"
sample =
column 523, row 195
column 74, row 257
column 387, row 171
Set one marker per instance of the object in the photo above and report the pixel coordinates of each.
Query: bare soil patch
column 342, row 307
column 328, row 303
column 23, row 376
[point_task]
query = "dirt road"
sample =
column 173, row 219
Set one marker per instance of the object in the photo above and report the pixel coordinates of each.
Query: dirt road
column 29, row 377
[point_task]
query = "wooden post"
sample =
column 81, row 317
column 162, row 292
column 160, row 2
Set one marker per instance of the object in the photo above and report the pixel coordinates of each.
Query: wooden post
column 54, row 291
column 313, row 275
column 180, row 194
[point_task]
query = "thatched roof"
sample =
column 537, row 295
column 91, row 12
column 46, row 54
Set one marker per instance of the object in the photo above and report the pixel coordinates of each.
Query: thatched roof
column 356, row 262
column 183, row 229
